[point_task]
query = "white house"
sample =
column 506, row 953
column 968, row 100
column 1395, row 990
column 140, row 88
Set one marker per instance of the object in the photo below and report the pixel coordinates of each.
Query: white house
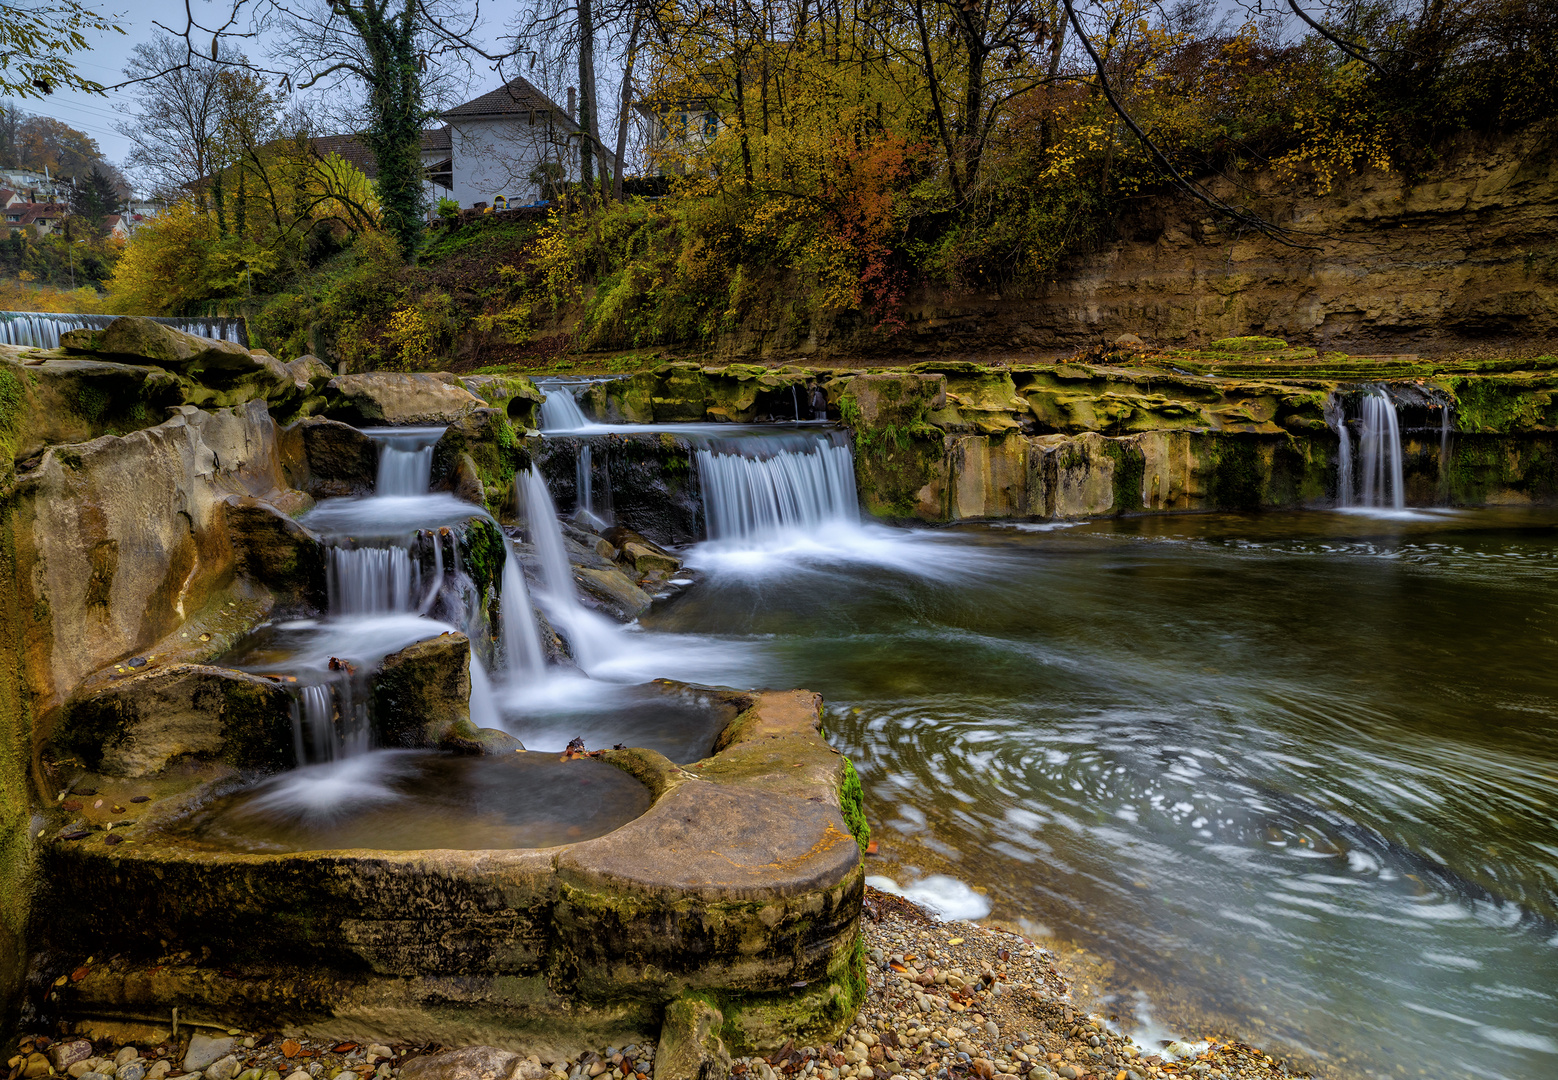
column 497, row 149
column 506, row 143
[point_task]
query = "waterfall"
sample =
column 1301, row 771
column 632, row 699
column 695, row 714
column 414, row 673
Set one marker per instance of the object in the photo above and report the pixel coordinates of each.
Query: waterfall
column 327, row 725
column 483, row 706
column 759, row 487
column 1336, row 419
column 42, row 330
column 1373, row 476
column 560, row 409
column 1379, row 452
column 590, row 636
column 522, row 653
column 405, row 459
column 370, row 581
column 583, row 480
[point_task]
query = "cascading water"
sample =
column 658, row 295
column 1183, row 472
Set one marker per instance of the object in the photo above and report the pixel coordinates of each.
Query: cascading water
column 1379, row 482
column 760, row 487
column 371, row 580
column 522, row 654
column 405, row 459
column 590, row 636
column 42, row 330
column 560, row 409
column 1379, row 453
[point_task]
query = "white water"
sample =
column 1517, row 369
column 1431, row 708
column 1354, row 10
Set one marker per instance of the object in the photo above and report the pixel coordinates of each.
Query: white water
column 1379, row 450
column 405, row 459
column 42, row 330
column 1379, row 483
column 522, row 654
column 593, row 638
column 754, row 490
column 560, row 410
column 371, row 581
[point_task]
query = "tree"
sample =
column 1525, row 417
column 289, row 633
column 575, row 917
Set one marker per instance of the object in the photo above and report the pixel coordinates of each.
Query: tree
column 46, row 143
column 96, row 199
column 37, row 41
column 178, row 110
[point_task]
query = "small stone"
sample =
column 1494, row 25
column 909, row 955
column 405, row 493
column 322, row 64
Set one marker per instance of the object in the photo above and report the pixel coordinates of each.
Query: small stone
column 79, row 1069
column 94, row 1076
column 225, row 1068
column 126, row 1055
column 381, row 1050
column 299, row 1074
column 251, row 1074
column 35, row 1065
column 132, row 1070
column 203, row 1050
column 65, row 1055
column 159, row 1068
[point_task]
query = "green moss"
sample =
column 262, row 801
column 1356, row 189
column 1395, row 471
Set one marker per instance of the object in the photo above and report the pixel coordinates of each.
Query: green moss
column 1248, row 344
column 483, row 552
column 1237, row 474
column 16, row 851
column 852, row 805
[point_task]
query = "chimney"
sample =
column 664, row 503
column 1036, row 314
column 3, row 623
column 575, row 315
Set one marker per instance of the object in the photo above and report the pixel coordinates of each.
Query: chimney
column 572, row 104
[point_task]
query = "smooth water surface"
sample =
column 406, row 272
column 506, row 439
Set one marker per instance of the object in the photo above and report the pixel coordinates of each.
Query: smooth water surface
column 399, row 800
column 1294, row 773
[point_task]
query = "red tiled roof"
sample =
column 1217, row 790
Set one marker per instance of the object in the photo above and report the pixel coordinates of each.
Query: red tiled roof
column 516, row 97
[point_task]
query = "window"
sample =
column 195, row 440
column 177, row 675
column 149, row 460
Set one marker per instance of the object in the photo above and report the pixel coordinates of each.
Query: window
column 710, row 124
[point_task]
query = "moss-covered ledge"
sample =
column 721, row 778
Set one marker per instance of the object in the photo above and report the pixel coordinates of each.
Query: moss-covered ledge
column 741, row 884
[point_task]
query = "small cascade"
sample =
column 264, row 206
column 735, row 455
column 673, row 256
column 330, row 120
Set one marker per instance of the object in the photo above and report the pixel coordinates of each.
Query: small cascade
column 522, row 654
column 1381, row 482
column 371, row 580
column 42, row 330
column 328, row 722
column 589, row 635
column 755, row 488
column 1370, row 474
column 560, row 409
column 596, row 511
column 1336, row 420
column 405, row 459
column 483, row 706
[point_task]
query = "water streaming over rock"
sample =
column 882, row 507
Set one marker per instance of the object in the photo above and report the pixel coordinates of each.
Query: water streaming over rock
column 1381, row 482
column 405, row 459
column 1372, row 476
column 560, row 409
column 591, row 637
column 755, row 488
column 371, row 580
column 42, row 330
column 522, row 654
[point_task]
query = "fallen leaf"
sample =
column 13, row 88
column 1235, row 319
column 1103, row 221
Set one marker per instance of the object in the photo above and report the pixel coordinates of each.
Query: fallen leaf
column 290, row 1048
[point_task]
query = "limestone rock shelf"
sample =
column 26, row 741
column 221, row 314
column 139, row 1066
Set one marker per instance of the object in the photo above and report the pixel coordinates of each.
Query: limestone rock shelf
column 740, row 884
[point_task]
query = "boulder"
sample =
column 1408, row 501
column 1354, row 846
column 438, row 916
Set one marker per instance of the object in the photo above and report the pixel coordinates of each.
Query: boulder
column 613, row 591
column 690, row 1046
column 384, row 397
column 310, row 372
column 477, row 457
column 329, row 459
column 644, row 556
column 150, row 716
column 516, row 395
column 147, row 341
column 69, row 399
column 422, row 695
column 276, row 550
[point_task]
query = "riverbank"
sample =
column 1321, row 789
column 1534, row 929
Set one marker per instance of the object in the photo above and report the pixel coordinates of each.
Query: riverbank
column 946, row 1000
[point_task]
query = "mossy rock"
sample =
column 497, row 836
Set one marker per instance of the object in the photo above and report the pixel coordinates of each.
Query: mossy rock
column 1248, row 345
column 421, row 696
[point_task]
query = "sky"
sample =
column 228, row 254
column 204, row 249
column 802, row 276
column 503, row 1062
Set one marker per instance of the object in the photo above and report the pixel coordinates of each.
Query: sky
column 97, row 115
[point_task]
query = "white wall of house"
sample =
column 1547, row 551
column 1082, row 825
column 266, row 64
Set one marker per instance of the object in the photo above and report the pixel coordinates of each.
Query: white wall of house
column 496, row 156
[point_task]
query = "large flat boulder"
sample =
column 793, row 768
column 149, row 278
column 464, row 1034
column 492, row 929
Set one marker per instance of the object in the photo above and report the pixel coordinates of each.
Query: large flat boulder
column 144, row 341
column 387, row 397
column 146, row 720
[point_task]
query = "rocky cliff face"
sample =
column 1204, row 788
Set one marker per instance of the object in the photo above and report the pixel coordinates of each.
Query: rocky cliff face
column 1464, row 258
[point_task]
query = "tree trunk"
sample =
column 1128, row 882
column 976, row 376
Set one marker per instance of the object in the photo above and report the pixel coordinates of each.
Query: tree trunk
column 586, row 91
column 627, row 104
